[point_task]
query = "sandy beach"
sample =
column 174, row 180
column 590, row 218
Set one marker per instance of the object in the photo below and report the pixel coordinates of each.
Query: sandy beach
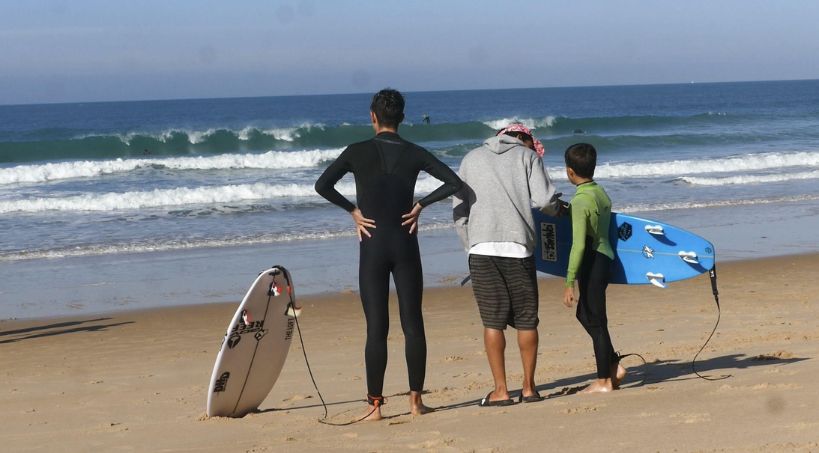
column 137, row 381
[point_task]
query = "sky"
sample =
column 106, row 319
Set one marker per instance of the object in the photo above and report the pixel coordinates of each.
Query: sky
column 103, row 50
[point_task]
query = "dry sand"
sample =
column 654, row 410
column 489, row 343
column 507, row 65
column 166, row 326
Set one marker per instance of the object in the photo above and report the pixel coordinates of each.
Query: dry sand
column 137, row 381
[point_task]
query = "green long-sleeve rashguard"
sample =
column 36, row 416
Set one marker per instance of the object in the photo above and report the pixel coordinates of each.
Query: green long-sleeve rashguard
column 591, row 215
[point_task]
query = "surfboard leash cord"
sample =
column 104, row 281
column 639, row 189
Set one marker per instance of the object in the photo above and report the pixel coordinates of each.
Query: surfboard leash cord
column 713, row 275
column 620, row 358
column 291, row 305
column 324, row 419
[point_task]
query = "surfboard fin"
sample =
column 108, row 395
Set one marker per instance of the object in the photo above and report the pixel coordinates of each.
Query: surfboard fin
column 689, row 257
column 655, row 230
column 293, row 311
column 656, row 279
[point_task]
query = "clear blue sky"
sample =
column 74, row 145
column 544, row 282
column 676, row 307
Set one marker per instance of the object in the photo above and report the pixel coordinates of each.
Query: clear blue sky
column 90, row 50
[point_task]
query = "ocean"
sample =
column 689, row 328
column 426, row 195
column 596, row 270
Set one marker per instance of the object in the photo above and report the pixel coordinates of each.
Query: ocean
column 107, row 206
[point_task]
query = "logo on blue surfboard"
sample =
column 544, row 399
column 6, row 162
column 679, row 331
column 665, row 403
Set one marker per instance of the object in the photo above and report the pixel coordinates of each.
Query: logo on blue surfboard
column 548, row 239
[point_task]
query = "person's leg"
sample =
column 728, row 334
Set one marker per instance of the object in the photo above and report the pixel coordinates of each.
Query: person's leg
column 409, row 286
column 591, row 312
column 492, row 298
column 522, row 283
column 598, row 282
column 600, row 273
column 527, row 342
column 494, row 341
column 373, row 282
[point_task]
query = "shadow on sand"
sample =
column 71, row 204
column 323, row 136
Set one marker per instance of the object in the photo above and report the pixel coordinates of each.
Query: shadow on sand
column 50, row 330
column 670, row 370
column 649, row 373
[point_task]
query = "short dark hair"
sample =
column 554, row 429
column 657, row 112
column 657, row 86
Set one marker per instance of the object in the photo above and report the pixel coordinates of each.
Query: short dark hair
column 388, row 106
column 582, row 158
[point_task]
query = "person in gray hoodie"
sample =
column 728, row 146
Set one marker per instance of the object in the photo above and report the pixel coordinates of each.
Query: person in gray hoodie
column 503, row 180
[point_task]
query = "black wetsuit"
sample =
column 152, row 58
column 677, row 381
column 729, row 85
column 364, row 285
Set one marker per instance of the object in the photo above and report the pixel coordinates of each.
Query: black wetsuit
column 386, row 168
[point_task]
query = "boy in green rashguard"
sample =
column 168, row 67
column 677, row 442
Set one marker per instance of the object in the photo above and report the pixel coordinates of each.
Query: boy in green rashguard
column 590, row 262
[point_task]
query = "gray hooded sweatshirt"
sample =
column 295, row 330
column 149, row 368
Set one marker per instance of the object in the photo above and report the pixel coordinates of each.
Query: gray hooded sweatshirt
column 503, row 181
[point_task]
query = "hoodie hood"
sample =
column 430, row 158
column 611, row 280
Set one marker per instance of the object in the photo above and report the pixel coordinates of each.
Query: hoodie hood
column 502, row 143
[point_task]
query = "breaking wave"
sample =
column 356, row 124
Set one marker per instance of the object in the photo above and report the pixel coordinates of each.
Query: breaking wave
column 181, row 196
column 87, row 169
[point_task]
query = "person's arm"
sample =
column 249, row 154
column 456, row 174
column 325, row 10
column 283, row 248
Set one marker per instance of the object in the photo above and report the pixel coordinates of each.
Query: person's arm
column 440, row 171
column 580, row 212
column 325, row 186
column 461, row 208
column 542, row 189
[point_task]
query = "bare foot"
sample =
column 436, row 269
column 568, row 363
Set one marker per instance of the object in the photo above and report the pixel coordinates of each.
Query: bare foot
column 417, row 406
column 374, row 414
column 618, row 373
column 421, row 410
column 599, row 386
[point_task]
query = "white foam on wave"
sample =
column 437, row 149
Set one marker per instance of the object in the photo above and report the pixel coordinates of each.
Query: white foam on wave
column 426, row 184
column 178, row 244
column 173, row 245
column 181, row 196
column 90, row 169
column 195, row 137
column 244, row 134
column 650, row 207
column 750, row 179
column 528, row 122
column 167, row 245
column 164, row 197
column 744, row 163
column 287, row 134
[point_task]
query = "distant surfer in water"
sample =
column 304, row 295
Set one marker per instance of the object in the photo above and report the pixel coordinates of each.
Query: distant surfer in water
column 590, row 263
column 386, row 168
column 426, row 118
column 503, row 178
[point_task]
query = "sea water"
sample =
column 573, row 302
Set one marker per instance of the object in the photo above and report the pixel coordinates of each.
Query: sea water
column 133, row 204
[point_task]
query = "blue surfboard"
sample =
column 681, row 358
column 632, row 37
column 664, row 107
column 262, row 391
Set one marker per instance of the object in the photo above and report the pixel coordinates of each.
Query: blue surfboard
column 645, row 251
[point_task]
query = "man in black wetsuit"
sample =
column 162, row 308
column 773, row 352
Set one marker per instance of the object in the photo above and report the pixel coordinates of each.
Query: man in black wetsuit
column 386, row 168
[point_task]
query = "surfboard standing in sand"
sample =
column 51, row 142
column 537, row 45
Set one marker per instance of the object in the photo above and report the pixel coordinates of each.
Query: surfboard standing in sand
column 255, row 346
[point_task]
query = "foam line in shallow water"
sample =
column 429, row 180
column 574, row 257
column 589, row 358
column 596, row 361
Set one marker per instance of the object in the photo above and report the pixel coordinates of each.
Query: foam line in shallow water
column 750, row 179
column 181, row 196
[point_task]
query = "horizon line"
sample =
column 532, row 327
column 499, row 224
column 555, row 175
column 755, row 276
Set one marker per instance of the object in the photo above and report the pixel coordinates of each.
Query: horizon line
column 693, row 82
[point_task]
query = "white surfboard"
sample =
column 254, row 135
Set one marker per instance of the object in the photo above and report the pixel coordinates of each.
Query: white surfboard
column 255, row 346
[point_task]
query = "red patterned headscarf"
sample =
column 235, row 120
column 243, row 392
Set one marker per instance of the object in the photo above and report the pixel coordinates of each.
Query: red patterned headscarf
column 517, row 127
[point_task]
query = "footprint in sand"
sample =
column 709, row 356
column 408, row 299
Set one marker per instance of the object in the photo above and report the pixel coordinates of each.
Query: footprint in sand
column 778, row 355
column 762, row 386
column 582, row 409
column 297, row 398
column 692, row 417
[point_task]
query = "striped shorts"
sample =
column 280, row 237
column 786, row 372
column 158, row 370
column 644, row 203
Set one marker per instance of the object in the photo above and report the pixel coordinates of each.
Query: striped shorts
column 505, row 290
